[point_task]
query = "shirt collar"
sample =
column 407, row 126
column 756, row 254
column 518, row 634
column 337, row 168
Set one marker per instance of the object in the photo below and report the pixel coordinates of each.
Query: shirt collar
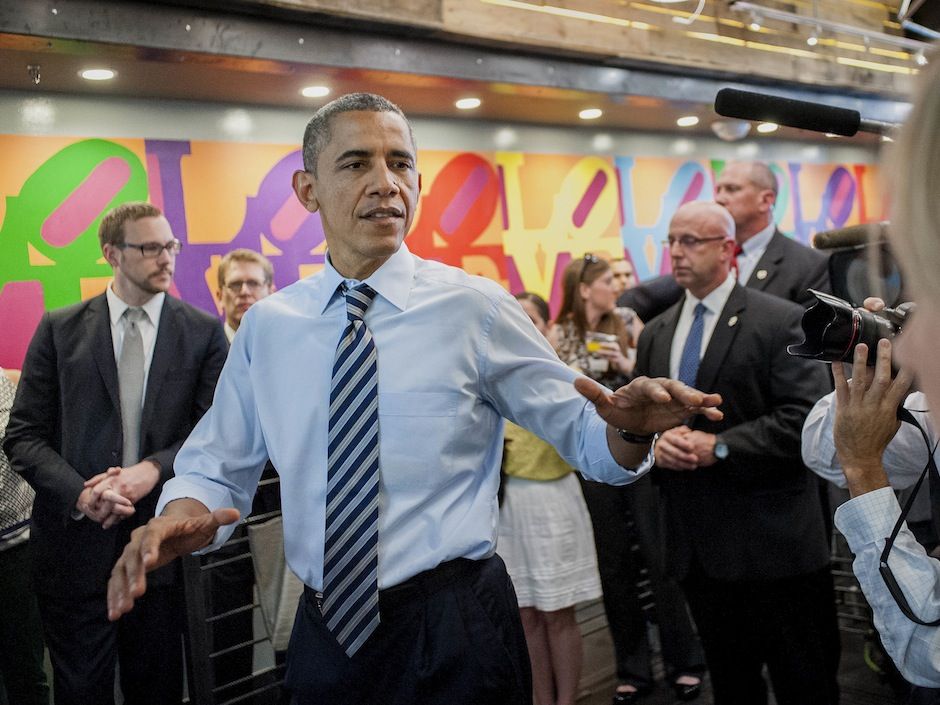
column 392, row 281
column 716, row 299
column 117, row 306
column 229, row 332
column 759, row 242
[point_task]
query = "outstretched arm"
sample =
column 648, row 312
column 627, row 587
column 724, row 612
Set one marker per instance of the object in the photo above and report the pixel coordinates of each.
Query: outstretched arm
column 644, row 406
column 186, row 525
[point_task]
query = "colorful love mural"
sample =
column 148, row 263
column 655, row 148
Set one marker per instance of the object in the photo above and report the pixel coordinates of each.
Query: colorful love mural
column 514, row 217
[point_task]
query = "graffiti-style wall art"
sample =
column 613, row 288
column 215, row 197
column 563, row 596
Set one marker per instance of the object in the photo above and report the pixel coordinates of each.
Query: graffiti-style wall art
column 514, row 217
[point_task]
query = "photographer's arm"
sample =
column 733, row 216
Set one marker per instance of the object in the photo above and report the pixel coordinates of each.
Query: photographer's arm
column 865, row 423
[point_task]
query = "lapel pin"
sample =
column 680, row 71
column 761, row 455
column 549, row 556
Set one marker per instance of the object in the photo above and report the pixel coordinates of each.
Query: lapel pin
column 761, row 274
column 732, row 321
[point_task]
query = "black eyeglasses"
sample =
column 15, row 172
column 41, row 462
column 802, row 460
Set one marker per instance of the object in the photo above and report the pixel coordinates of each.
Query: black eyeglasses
column 152, row 250
column 690, row 242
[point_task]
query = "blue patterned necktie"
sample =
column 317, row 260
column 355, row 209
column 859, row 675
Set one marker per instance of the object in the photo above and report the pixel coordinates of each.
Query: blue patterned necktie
column 350, row 558
column 688, row 363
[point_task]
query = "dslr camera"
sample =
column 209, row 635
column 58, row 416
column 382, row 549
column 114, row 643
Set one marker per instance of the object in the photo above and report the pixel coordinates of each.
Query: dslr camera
column 837, row 322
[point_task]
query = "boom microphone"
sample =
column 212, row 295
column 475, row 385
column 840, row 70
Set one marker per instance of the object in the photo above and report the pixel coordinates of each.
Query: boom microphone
column 801, row 114
column 851, row 236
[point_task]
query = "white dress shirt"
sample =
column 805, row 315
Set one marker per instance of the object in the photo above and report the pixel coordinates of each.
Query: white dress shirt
column 867, row 520
column 455, row 354
column 753, row 250
column 714, row 302
column 149, row 325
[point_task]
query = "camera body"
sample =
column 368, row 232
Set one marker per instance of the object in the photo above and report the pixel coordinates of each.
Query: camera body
column 833, row 327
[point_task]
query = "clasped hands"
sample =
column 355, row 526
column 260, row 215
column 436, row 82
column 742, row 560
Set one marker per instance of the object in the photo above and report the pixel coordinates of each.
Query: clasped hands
column 109, row 497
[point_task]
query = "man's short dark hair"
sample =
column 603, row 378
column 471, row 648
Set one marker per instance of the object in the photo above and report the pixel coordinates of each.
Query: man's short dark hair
column 317, row 135
column 111, row 229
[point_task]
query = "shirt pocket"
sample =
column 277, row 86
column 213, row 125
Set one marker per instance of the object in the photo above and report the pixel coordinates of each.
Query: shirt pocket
column 416, row 435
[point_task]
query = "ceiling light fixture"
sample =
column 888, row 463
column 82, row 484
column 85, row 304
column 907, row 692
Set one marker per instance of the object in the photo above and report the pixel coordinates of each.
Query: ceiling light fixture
column 468, row 103
column 911, row 45
column 590, row 113
column 98, row 74
column 765, row 128
column 687, row 121
column 812, row 40
column 315, row 91
column 920, row 58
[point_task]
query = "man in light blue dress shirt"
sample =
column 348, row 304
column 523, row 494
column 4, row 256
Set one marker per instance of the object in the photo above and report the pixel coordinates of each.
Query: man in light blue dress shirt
column 455, row 354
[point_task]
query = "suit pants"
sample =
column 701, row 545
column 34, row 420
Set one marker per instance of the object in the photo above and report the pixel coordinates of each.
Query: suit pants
column 448, row 636
column 84, row 648
column 789, row 624
column 21, row 649
column 612, row 509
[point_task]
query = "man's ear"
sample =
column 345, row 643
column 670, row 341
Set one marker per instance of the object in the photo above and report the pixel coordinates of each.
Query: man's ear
column 419, row 183
column 305, row 186
column 110, row 253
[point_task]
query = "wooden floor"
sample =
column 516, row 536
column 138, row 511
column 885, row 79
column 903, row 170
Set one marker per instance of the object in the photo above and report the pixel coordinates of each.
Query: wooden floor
column 859, row 683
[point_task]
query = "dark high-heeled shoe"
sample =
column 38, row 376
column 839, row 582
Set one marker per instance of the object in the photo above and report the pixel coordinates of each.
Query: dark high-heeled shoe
column 687, row 692
column 629, row 697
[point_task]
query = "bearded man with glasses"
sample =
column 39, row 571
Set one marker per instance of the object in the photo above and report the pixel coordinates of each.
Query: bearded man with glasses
column 110, row 389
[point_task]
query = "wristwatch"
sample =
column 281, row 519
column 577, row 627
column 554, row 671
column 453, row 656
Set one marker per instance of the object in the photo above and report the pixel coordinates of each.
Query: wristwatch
column 628, row 437
column 721, row 449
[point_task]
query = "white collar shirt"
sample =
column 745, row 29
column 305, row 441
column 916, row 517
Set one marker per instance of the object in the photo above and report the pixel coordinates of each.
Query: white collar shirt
column 752, row 251
column 149, row 326
column 714, row 302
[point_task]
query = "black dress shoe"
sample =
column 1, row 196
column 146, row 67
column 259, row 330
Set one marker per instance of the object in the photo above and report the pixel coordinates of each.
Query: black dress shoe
column 687, row 692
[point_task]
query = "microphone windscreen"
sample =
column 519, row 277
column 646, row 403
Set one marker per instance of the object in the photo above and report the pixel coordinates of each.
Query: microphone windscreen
column 850, row 236
column 801, row 114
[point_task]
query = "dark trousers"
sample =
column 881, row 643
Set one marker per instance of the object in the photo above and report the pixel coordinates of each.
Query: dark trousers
column 789, row 624
column 21, row 672
column 612, row 509
column 449, row 636
column 84, row 648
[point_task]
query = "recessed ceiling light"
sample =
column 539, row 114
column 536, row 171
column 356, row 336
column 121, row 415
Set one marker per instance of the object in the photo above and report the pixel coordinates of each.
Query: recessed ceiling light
column 315, row 91
column 98, row 74
column 887, row 138
column 920, row 58
column 468, row 103
column 754, row 26
column 812, row 40
column 590, row 113
column 767, row 127
column 687, row 121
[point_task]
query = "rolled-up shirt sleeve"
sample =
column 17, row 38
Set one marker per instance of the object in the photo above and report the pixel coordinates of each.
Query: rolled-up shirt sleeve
column 867, row 521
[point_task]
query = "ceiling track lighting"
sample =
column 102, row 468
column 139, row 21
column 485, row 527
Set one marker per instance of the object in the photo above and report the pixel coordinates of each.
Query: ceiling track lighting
column 823, row 25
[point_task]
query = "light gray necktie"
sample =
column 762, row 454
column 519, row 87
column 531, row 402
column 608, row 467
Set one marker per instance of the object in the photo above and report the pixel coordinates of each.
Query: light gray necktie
column 131, row 384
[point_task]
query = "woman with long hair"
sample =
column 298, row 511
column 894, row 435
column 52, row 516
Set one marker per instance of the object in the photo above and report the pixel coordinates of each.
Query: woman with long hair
column 546, row 541
column 592, row 334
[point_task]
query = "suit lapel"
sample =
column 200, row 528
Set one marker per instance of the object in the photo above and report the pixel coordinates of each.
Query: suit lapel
column 98, row 320
column 726, row 329
column 769, row 263
column 164, row 351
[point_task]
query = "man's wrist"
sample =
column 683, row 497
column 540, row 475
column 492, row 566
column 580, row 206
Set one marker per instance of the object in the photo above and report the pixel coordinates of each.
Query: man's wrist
column 637, row 438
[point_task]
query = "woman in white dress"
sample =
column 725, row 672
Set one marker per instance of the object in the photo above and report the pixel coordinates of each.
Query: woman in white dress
column 546, row 540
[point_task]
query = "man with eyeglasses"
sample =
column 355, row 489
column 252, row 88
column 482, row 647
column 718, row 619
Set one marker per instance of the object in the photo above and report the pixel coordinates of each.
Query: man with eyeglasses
column 110, row 389
column 766, row 259
column 744, row 528
column 245, row 277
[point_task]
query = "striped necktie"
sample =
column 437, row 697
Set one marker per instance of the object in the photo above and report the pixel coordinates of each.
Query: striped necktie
column 691, row 353
column 350, row 558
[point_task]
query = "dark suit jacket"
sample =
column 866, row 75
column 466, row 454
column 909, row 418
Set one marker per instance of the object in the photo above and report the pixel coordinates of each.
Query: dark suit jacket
column 65, row 427
column 789, row 267
column 757, row 514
